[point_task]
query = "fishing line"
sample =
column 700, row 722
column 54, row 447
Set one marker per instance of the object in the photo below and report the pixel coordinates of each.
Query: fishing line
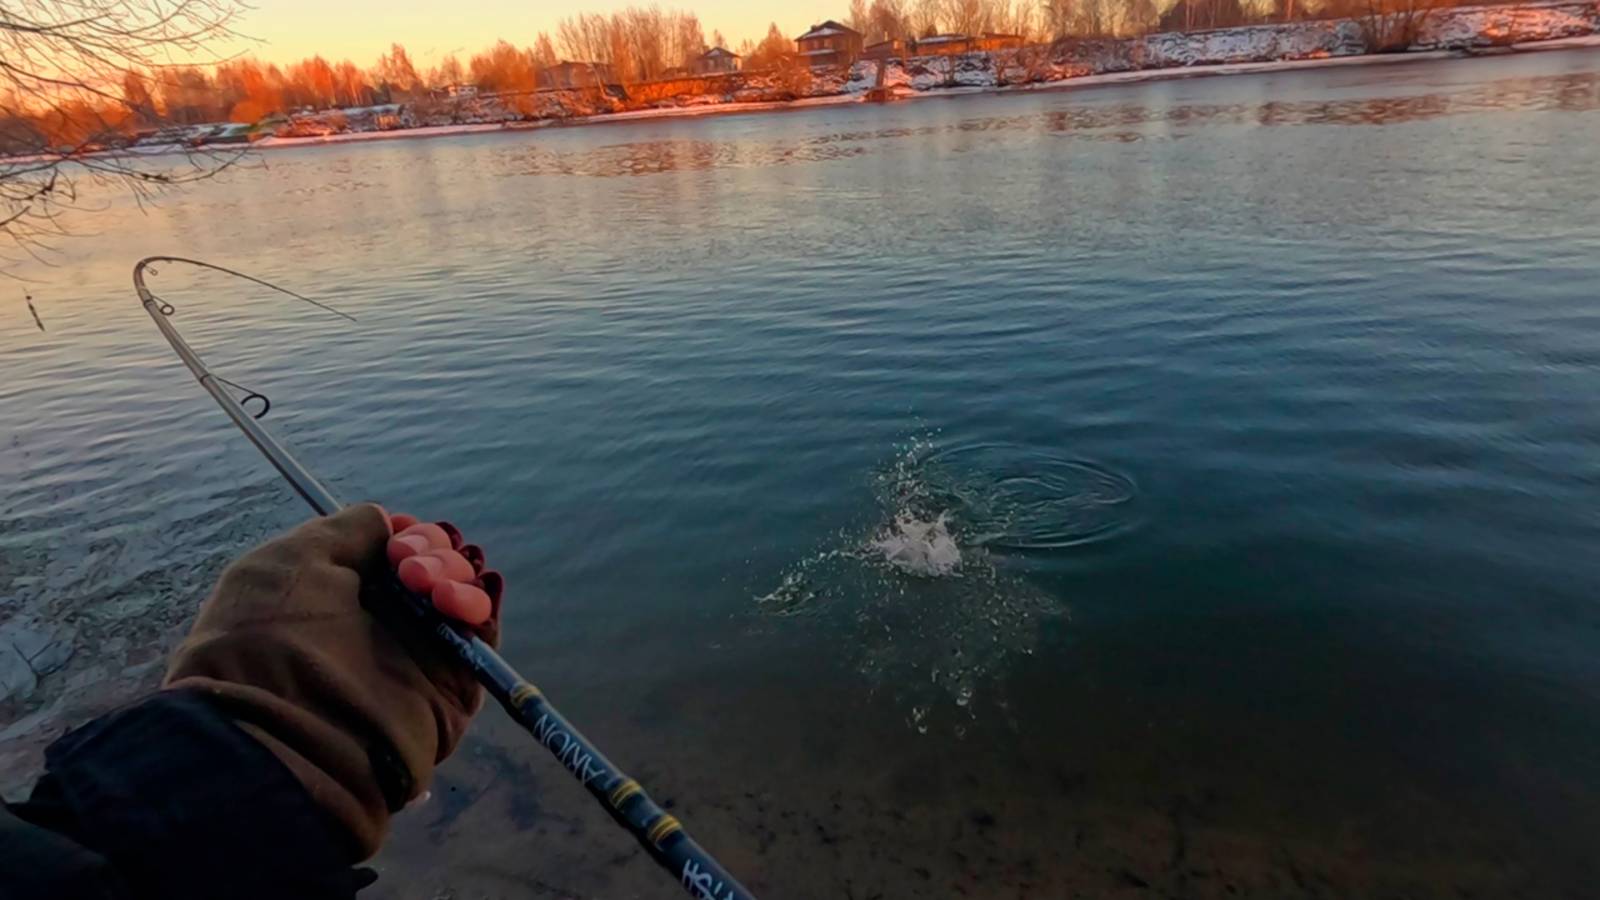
column 36, row 320
column 661, row 835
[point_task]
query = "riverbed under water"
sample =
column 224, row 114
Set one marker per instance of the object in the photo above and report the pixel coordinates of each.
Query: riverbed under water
column 1182, row 489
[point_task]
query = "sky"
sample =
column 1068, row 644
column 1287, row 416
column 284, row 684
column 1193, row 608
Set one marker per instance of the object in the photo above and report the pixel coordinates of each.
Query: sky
column 360, row 30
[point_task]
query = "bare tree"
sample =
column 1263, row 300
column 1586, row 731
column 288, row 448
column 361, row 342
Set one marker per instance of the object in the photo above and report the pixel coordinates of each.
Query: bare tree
column 964, row 16
column 585, row 38
column 75, row 78
column 544, row 52
column 1057, row 17
column 639, row 43
column 504, row 68
column 1188, row 15
column 773, row 52
column 1013, row 17
column 1390, row 26
column 136, row 95
column 187, row 97
column 688, row 40
column 887, row 21
column 1140, row 16
column 395, row 71
column 859, row 18
column 925, row 16
column 447, row 73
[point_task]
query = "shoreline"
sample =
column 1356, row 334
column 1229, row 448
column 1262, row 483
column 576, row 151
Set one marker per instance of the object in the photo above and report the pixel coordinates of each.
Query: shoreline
column 1168, row 73
column 1171, row 73
column 680, row 112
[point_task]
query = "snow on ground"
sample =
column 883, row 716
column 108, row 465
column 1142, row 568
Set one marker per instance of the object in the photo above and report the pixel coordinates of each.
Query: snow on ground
column 1499, row 25
column 1259, row 43
column 1571, row 43
column 706, row 109
column 724, row 108
column 1270, row 45
column 424, row 131
column 1246, row 68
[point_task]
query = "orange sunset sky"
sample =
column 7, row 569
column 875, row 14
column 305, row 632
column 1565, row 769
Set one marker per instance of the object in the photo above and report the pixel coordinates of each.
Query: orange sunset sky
column 288, row 30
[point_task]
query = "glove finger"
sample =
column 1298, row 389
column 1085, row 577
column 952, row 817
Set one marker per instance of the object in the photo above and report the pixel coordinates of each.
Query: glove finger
column 436, row 536
column 493, row 584
column 420, row 573
column 463, row 602
column 399, row 522
column 454, row 533
column 456, row 567
column 420, row 537
column 407, row 546
column 474, row 555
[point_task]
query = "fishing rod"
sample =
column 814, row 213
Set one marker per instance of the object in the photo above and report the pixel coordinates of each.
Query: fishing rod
column 661, row 835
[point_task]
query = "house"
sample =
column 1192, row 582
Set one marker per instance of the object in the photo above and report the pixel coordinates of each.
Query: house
column 956, row 44
column 565, row 75
column 829, row 44
column 893, row 48
column 944, row 45
column 990, row 41
column 716, row 61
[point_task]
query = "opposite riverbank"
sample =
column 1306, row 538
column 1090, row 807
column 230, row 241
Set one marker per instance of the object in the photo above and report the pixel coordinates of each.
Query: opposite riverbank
column 1079, row 83
column 1062, row 65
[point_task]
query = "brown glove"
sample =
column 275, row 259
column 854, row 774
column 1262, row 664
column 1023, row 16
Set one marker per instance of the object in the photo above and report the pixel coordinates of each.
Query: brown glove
column 360, row 711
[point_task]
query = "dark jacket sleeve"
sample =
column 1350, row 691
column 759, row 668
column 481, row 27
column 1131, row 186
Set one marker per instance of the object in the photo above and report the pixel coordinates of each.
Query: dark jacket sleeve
column 170, row 799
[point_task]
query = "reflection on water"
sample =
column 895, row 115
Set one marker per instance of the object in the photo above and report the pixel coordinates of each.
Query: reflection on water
column 654, row 157
column 1574, row 92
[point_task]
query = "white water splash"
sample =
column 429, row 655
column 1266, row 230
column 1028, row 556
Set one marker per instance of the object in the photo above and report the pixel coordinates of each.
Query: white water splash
column 924, row 611
column 920, row 547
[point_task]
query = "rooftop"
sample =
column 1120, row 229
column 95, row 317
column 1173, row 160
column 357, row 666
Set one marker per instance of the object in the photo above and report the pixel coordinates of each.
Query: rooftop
column 826, row 29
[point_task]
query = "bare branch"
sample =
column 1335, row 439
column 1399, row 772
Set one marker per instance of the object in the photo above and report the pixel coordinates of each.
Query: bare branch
column 73, row 89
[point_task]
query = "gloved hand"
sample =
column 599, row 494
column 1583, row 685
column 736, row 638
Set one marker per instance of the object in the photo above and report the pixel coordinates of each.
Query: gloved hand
column 359, row 711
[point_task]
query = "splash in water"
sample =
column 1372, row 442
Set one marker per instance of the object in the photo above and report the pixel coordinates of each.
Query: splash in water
column 925, row 598
column 918, row 547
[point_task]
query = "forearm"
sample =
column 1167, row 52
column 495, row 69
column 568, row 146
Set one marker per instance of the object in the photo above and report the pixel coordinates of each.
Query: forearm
column 293, row 725
column 170, row 798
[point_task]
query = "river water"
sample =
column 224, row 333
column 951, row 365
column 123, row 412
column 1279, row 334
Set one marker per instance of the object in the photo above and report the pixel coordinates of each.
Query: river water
column 1179, row 489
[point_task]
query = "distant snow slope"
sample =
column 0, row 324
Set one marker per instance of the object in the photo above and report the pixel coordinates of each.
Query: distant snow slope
column 1463, row 27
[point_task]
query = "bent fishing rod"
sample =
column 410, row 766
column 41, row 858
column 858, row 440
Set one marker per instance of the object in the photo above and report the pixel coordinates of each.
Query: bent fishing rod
column 661, row 835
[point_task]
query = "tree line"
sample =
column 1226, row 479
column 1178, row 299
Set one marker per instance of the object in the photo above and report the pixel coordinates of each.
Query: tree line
column 1038, row 21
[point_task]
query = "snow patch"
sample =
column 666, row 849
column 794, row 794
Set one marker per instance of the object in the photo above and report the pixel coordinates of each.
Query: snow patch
column 1460, row 28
